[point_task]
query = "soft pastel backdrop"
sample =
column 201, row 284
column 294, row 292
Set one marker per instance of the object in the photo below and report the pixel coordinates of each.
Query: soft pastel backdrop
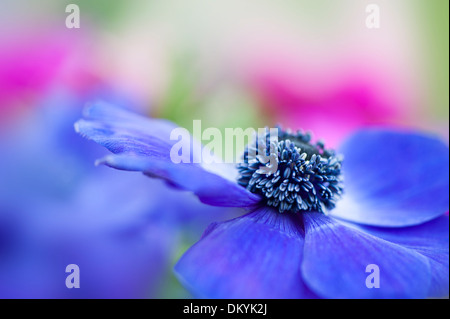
column 303, row 64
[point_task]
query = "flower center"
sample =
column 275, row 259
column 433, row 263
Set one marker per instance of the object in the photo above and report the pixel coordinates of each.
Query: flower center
column 307, row 176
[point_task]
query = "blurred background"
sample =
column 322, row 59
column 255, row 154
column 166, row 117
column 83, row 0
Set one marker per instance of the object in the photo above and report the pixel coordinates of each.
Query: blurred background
column 313, row 65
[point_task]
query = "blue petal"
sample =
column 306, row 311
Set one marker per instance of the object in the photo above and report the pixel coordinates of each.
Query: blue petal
column 254, row 256
column 121, row 131
column 335, row 260
column 144, row 145
column 55, row 210
column 430, row 240
column 394, row 179
column 103, row 227
column 210, row 188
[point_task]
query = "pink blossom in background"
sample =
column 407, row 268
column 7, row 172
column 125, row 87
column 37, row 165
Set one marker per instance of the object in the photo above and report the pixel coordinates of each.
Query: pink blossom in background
column 333, row 80
column 32, row 63
column 333, row 102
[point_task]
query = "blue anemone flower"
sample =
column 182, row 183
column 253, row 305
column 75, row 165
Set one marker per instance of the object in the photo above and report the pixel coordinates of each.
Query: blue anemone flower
column 302, row 234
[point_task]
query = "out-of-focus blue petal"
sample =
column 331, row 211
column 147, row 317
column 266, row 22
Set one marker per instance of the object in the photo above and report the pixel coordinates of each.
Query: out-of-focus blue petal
column 394, row 178
column 336, row 258
column 118, row 238
column 122, row 251
column 144, row 145
column 113, row 235
column 257, row 255
column 43, row 157
column 56, row 209
column 431, row 240
column 122, row 240
column 110, row 267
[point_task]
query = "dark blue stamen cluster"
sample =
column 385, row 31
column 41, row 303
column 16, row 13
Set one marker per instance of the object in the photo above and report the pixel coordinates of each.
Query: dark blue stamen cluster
column 307, row 178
